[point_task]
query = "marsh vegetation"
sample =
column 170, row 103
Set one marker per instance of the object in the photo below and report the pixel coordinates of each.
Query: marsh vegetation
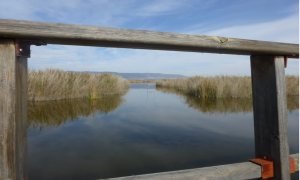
column 54, row 84
column 52, row 114
column 222, row 86
column 223, row 105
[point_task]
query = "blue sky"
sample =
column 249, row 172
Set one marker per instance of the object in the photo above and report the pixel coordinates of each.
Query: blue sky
column 267, row 20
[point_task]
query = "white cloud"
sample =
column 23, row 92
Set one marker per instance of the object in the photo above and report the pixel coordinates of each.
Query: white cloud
column 87, row 12
column 283, row 30
column 162, row 7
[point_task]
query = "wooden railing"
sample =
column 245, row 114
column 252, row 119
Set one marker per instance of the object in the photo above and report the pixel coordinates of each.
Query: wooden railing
column 238, row 171
column 268, row 60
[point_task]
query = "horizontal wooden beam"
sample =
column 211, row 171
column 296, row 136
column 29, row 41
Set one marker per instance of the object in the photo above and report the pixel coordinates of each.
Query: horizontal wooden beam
column 67, row 34
column 246, row 170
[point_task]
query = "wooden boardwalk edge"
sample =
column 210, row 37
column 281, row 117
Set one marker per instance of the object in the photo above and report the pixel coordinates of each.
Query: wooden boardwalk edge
column 245, row 170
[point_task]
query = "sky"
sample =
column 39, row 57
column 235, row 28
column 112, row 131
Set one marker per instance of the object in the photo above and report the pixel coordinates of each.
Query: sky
column 265, row 20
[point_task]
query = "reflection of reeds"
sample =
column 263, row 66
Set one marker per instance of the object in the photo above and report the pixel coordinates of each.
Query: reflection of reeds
column 292, row 103
column 223, row 105
column 54, row 84
column 55, row 113
column 222, row 86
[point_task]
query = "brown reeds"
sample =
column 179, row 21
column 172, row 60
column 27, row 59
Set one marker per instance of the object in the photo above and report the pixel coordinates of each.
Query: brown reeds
column 222, row 86
column 223, row 105
column 54, row 84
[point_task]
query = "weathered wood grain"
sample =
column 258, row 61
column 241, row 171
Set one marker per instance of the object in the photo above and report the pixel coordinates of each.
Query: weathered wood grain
column 13, row 113
column 7, row 110
column 67, row 34
column 238, row 171
column 270, row 112
column 21, row 117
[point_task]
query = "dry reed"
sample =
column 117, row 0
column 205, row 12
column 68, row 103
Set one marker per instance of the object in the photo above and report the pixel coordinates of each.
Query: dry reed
column 223, row 105
column 222, row 86
column 54, row 84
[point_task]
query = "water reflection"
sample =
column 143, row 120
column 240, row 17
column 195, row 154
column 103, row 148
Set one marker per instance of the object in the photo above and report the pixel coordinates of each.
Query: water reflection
column 55, row 113
column 140, row 136
column 224, row 105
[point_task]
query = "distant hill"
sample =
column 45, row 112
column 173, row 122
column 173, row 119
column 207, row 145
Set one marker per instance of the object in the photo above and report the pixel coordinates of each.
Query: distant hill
column 142, row 76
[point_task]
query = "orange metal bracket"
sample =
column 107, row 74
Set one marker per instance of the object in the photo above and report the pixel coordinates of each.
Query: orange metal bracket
column 292, row 165
column 267, row 167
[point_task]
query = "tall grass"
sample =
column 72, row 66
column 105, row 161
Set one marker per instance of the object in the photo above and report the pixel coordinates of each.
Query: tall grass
column 222, row 86
column 54, row 84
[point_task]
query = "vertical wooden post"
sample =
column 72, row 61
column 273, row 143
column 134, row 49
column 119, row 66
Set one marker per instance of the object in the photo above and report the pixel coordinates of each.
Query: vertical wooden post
column 13, row 112
column 270, row 112
column 21, row 118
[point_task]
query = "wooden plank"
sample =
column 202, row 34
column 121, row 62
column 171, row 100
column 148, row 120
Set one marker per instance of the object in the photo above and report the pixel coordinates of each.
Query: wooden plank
column 67, row 34
column 21, row 118
column 7, row 110
column 13, row 113
column 238, row 171
column 270, row 112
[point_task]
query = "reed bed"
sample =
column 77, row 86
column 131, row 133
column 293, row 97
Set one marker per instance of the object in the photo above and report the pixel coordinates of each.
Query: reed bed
column 222, row 86
column 54, row 84
column 223, row 105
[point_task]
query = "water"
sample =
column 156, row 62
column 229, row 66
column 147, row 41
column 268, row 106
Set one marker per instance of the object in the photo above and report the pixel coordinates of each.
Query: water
column 148, row 130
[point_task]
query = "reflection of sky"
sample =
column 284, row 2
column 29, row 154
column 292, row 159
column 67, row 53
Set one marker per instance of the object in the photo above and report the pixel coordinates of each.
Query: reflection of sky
column 143, row 86
column 144, row 136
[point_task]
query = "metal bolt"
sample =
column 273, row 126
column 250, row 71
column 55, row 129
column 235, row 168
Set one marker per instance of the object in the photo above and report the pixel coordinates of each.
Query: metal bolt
column 265, row 157
column 21, row 50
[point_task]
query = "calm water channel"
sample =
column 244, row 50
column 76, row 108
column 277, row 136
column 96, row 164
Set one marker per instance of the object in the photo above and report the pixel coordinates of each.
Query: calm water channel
column 148, row 130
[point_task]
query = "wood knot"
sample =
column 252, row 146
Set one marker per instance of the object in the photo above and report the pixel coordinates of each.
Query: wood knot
column 223, row 39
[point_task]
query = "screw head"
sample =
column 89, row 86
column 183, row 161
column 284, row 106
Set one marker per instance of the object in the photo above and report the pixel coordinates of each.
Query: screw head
column 21, row 50
column 265, row 157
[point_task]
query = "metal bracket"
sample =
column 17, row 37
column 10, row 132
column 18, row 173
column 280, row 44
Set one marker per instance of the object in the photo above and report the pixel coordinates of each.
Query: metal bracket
column 23, row 46
column 292, row 165
column 286, row 58
column 285, row 61
column 267, row 167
